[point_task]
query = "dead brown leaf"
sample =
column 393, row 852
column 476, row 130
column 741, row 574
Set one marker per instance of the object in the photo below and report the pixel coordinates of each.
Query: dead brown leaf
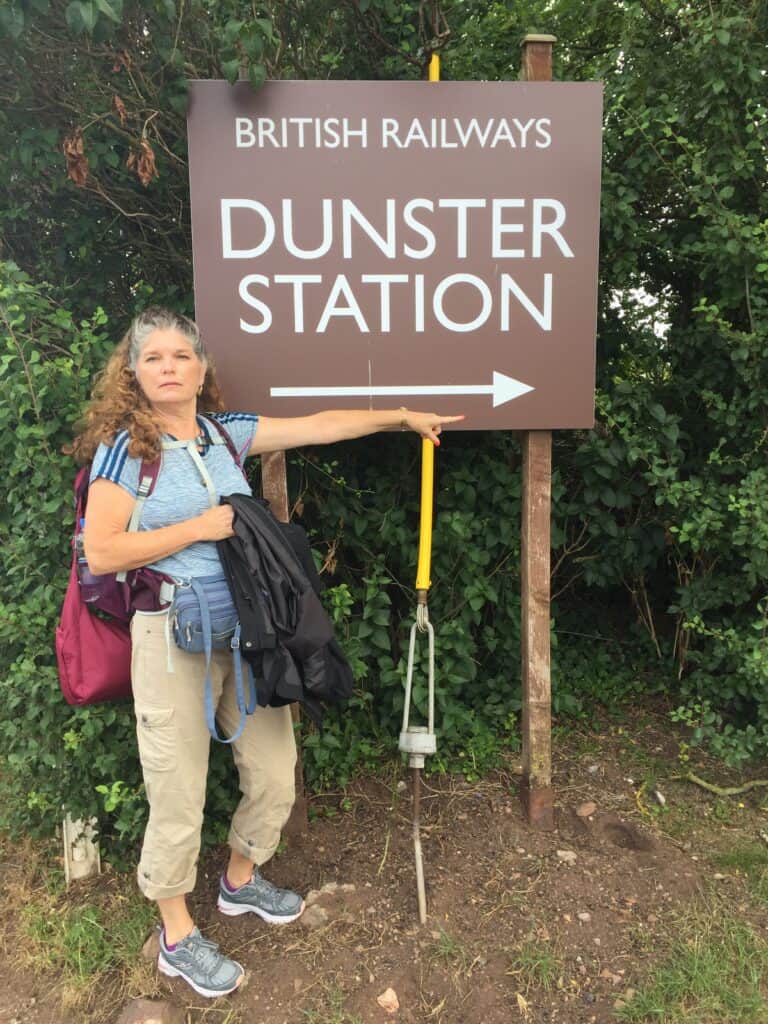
column 144, row 162
column 145, row 168
column 73, row 147
column 119, row 108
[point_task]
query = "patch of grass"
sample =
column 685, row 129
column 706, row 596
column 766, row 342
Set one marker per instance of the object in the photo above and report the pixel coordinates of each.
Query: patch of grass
column 535, row 964
column 329, row 1009
column 451, row 953
column 714, row 972
column 750, row 860
column 86, row 941
column 79, row 943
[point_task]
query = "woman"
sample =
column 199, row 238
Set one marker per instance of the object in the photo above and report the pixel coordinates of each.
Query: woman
column 152, row 389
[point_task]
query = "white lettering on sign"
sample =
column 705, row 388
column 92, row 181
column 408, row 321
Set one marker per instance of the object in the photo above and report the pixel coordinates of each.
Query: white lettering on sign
column 251, row 230
column 342, row 301
column 261, row 231
column 393, row 133
column 300, row 132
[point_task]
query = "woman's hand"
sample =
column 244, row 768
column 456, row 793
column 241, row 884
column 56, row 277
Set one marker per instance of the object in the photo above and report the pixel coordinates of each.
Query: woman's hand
column 428, row 424
column 216, row 523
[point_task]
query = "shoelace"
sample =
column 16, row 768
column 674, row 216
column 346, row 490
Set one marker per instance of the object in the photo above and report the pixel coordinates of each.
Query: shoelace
column 206, row 953
column 271, row 891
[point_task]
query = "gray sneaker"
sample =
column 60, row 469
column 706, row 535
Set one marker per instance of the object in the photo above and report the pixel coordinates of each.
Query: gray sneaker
column 278, row 906
column 200, row 964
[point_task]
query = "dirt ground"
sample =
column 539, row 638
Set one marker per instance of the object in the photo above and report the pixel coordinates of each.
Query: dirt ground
column 516, row 931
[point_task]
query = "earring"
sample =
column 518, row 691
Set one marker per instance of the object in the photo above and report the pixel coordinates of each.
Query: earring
column 200, row 390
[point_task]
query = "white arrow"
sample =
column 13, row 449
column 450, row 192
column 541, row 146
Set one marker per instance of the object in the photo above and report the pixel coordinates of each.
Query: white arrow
column 503, row 389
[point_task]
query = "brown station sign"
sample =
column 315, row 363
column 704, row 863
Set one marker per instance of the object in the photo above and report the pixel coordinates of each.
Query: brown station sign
column 369, row 244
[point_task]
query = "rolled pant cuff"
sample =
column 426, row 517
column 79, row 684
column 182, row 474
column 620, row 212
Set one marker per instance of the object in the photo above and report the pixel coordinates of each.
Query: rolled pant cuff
column 257, row 854
column 165, row 892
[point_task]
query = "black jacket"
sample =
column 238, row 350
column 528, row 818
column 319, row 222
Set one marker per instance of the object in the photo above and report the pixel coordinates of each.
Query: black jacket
column 286, row 634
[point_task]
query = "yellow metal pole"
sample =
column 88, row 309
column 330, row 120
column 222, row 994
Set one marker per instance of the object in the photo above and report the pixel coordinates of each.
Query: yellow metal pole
column 423, row 582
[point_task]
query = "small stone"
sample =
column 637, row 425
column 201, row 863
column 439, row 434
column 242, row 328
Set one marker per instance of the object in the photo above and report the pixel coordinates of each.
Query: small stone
column 718, row 877
column 151, row 1011
column 593, row 769
column 584, row 916
column 519, row 849
column 314, row 917
column 566, row 856
column 609, row 975
column 587, row 809
column 659, row 797
column 401, row 786
column 297, row 984
column 597, row 941
column 388, row 1001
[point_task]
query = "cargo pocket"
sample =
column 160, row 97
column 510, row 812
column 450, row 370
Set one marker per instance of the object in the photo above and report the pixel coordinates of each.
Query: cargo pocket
column 156, row 733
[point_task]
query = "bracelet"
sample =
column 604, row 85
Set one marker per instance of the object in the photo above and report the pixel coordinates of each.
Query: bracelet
column 403, row 421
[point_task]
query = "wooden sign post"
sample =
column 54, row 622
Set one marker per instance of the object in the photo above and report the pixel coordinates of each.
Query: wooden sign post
column 536, row 789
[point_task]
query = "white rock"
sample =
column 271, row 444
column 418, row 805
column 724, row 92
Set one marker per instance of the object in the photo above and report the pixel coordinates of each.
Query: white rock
column 388, row 1001
column 314, row 917
column 566, row 856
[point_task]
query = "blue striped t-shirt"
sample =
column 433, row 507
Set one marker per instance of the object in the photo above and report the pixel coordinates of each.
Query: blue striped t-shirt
column 180, row 492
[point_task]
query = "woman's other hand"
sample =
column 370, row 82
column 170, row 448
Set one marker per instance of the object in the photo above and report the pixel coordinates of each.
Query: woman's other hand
column 216, row 523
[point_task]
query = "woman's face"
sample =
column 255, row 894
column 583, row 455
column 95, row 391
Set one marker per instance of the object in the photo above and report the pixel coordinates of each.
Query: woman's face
column 168, row 370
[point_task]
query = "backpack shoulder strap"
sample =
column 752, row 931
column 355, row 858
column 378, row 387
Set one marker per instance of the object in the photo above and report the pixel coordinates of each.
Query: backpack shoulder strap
column 147, row 479
column 148, row 472
column 227, row 439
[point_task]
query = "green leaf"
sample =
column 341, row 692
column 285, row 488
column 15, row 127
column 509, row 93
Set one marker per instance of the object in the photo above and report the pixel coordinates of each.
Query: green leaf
column 112, row 10
column 82, row 15
column 252, row 45
column 11, row 21
column 230, row 69
column 232, row 31
column 257, row 74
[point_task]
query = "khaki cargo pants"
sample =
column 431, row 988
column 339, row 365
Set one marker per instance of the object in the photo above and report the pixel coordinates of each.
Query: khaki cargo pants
column 173, row 747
